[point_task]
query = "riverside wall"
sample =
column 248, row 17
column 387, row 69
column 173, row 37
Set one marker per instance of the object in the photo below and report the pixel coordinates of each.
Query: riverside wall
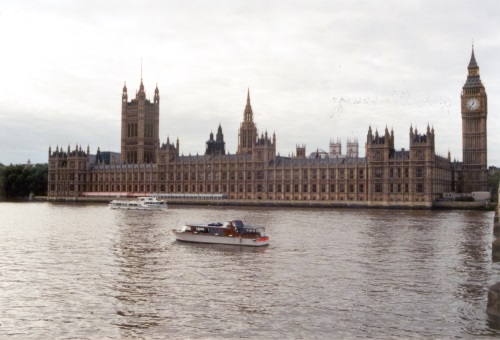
column 292, row 203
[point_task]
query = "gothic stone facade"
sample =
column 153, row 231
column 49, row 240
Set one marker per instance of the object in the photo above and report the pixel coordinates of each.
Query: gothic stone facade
column 384, row 177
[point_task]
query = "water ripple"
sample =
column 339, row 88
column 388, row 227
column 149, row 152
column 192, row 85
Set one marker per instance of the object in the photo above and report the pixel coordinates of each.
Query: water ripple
column 84, row 271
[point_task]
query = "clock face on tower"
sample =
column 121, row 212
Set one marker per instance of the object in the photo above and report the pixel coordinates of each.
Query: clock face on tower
column 472, row 104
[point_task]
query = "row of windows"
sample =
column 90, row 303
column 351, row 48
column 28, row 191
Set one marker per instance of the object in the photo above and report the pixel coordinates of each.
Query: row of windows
column 132, row 130
column 419, row 173
column 351, row 188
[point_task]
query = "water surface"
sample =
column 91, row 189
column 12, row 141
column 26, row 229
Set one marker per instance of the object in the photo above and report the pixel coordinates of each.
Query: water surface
column 85, row 271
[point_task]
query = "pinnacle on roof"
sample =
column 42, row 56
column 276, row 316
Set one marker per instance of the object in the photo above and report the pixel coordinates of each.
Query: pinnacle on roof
column 248, row 114
column 472, row 63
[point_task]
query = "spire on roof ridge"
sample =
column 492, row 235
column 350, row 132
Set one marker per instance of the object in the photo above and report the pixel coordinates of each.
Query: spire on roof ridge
column 472, row 63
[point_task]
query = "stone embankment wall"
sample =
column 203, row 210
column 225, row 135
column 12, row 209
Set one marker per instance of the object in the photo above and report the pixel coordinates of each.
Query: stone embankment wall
column 493, row 308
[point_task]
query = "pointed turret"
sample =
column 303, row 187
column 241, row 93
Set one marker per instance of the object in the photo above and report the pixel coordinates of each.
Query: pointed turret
column 248, row 131
column 157, row 94
column 124, row 92
column 472, row 62
column 473, row 78
column 248, row 114
column 220, row 137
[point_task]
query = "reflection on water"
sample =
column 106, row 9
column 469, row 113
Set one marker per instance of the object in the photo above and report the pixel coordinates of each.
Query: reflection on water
column 85, row 271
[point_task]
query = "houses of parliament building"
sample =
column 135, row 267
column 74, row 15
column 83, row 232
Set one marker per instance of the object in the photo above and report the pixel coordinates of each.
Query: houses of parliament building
column 384, row 177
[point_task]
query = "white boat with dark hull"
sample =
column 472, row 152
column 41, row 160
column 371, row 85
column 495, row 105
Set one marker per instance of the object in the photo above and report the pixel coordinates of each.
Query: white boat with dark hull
column 232, row 232
column 143, row 203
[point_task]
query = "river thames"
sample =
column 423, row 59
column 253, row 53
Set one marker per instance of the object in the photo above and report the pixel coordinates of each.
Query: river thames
column 85, row 271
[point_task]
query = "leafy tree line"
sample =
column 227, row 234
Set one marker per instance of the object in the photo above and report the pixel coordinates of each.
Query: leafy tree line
column 18, row 181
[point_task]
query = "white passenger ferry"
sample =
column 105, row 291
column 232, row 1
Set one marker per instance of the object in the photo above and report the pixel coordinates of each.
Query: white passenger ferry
column 144, row 203
column 232, row 232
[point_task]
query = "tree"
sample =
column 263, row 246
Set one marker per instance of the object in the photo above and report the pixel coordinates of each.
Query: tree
column 18, row 181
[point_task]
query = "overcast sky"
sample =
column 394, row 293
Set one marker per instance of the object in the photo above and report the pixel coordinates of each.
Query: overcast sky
column 317, row 70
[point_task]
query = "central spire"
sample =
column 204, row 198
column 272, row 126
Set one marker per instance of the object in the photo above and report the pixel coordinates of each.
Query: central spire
column 248, row 114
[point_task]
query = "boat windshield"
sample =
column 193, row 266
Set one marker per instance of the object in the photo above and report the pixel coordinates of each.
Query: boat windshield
column 238, row 224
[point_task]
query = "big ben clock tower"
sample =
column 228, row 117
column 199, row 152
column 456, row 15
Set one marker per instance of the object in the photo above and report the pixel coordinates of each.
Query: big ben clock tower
column 474, row 137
